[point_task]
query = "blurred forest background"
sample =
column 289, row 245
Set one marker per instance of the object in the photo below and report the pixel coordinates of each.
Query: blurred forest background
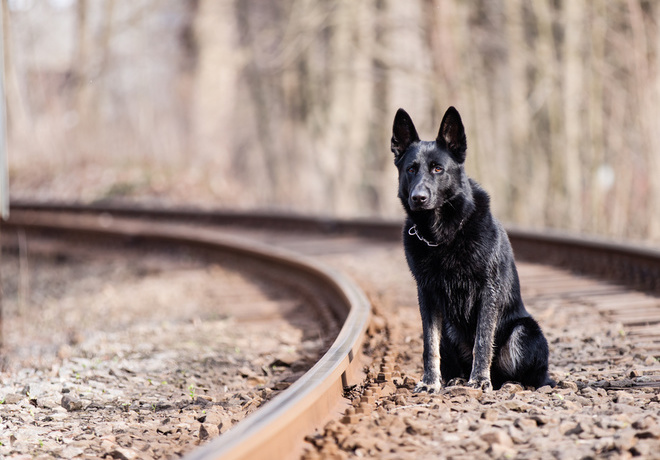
column 288, row 104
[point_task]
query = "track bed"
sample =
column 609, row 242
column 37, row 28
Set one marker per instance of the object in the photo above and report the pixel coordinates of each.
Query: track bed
column 604, row 341
column 606, row 403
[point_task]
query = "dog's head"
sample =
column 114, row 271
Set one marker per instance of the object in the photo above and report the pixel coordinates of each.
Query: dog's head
column 430, row 172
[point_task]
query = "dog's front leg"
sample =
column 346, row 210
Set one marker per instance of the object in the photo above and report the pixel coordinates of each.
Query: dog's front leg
column 482, row 353
column 431, row 323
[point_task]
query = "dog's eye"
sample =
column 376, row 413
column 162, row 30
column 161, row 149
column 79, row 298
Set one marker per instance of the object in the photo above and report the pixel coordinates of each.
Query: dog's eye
column 412, row 170
column 437, row 169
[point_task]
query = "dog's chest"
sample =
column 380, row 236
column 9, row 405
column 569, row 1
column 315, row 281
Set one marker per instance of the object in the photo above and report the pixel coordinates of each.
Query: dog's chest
column 454, row 271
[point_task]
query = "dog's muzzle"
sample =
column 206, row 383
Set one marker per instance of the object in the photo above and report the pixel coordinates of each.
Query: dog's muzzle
column 420, row 199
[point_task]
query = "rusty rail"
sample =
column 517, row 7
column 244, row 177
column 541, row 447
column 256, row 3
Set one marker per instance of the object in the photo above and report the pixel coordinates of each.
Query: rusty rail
column 277, row 429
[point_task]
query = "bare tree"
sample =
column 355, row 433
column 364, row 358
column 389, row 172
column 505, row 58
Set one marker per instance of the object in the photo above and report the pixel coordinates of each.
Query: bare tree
column 288, row 104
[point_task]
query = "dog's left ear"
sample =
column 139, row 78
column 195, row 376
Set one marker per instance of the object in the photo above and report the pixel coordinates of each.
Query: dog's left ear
column 451, row 135
column 403, row 134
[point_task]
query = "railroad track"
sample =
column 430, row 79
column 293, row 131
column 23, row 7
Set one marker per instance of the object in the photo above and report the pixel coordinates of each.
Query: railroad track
column 626, row 296
column 318, row 391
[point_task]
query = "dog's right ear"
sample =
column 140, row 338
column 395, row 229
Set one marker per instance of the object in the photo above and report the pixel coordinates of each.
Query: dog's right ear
column 452, row 134
column 403, row 133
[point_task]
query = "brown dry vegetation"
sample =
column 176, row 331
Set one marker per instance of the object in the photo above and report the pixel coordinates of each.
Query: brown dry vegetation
column 288, row 104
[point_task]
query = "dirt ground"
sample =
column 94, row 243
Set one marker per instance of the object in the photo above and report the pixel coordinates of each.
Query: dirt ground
column 136, row 400
column 599, row 409
column 110, row 352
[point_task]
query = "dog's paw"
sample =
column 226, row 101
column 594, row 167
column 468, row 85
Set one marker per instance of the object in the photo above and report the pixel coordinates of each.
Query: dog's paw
column 423, row 387
column 482, row 383
column 456, row 382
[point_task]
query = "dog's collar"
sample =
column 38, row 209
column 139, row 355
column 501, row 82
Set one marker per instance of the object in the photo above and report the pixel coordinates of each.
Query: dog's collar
column 412, row 231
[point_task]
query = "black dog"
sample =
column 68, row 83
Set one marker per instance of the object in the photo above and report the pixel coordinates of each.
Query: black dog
column 474, row 322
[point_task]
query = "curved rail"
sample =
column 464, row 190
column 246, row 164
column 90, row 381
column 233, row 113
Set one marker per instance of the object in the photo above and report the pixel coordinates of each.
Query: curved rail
column 275, row 430
column 633, row 265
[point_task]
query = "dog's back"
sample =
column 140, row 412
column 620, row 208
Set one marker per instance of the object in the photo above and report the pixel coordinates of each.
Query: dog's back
column 468, row 288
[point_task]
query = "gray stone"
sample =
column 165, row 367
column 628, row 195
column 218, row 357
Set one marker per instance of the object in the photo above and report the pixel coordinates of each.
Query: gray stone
column 208, row 431
column 71, row 451
column 564, row 384
column 624, row 397
column 525, row 424
column 71, row 403
column 14, row 398
column 122, row 454
column 497, row 437
column 511, row 387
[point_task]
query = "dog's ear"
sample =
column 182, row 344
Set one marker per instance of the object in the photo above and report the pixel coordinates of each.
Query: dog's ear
column 403, row 133
column 452, row 134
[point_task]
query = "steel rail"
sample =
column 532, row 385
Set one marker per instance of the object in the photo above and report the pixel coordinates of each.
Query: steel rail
column 277, row 429
column 629, row 264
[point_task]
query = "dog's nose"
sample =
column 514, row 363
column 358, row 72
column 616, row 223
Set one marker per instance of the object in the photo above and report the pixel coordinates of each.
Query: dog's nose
column 420, row 197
